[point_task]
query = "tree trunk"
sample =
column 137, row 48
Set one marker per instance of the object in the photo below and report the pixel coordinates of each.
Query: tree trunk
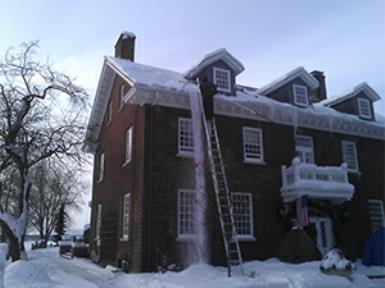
column 14, row 245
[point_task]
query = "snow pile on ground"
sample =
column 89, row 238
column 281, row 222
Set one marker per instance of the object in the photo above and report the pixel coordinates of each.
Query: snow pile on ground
column 21, row 274
column 335, row 260
column 47, row 269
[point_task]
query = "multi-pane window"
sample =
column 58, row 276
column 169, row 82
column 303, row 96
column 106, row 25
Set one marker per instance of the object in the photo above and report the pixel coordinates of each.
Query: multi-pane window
column 126, row 215
column 376, row 214
column 122, row 89
column 252, row 144
column 185, row 136
column 300, row 95
column 128, row 148
column 364, row 108
column 98, row 222
column 349, row 155
column 304, row 149
column 186, row 213
column 101, row 167
column 222, row 79
column 243, row 213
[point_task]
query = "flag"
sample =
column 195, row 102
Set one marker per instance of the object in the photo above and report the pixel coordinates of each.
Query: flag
column 302, row 213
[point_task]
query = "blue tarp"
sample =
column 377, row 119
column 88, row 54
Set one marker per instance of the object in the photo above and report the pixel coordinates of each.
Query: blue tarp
column 374, row 253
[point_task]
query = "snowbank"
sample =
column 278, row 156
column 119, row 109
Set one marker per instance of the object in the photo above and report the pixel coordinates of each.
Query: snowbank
column 25, row 274
column 82, row 273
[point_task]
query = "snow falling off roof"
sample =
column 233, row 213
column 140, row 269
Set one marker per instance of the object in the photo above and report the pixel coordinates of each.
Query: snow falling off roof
column 148, row 76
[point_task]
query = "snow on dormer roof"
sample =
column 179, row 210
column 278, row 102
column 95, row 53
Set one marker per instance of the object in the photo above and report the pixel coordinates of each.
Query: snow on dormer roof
column 297, row 72
column 363, row 87
column 220, row 54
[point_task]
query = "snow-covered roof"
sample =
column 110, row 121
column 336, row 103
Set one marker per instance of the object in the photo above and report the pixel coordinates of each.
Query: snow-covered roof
column 149, row 76
column 169, row 88
column 363, row 87
column 220, row 54
column 283, row 80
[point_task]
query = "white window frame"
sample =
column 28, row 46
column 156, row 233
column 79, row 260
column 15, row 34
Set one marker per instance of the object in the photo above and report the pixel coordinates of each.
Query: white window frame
column 109, row 113
column 126, row 217
column 362, row 101
column 121, row 96
column 303, row 150
column 98, row 224
column 249, row 157
column 128, row 146
column 350, row 169
column 184, row 217
column 216, row 82
column 373, row 202
column 249, row 236
column 321, row 238
column 295, row 95
column 185, row 150
column 102, row 163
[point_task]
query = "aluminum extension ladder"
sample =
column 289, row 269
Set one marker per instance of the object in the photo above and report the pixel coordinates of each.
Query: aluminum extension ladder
column 222, row 195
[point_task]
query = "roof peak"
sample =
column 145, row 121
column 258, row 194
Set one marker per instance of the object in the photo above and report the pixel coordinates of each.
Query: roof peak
column 218, row 54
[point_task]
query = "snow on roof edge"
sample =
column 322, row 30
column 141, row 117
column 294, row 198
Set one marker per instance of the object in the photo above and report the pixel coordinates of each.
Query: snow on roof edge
column 371, row 93
column 284, row 79
column 219, row 54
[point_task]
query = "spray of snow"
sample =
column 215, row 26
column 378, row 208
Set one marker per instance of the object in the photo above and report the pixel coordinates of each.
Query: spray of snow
column 199, row 155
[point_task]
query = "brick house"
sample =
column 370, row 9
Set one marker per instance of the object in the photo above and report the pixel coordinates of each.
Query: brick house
column 279, row 142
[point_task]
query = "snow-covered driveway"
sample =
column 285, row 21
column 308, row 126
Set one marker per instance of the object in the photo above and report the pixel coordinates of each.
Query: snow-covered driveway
column 46, row 269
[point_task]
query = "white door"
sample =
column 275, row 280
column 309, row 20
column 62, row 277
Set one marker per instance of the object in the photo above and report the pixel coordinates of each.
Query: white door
column 324, row 230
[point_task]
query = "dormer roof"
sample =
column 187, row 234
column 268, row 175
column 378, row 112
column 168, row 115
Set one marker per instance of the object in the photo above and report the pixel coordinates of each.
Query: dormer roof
column 287, row 78
column 220, row 54
column 363, row 87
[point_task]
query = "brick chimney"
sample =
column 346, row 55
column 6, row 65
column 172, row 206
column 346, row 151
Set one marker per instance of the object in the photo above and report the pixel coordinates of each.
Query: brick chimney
column 319, row 94
column 125, row 46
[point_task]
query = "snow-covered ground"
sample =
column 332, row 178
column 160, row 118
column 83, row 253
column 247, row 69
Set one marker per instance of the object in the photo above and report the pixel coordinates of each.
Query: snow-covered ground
column 46, row 269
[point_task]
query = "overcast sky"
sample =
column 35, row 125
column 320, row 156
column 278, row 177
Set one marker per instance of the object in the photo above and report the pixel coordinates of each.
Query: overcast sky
column 345, row 39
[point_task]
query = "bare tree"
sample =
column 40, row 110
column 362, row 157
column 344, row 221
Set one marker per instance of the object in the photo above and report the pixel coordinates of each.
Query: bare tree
column 41, row 117
column 54, row 186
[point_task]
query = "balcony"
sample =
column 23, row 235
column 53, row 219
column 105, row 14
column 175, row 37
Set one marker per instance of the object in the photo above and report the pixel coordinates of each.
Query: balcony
column 317, row 182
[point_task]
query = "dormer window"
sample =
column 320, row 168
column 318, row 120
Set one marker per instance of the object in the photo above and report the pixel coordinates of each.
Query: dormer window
column 222, row 78
column 300, row 95
column 364, row 110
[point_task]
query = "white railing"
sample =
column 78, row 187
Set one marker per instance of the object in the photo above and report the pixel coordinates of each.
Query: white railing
column 317, row 181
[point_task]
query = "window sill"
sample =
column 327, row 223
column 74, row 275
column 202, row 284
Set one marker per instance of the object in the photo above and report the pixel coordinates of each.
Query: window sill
column 185, row 155
column 124, row 239
column 186, row 237
column 126, row 163
column 100, row 180
column 254, row 162
column 246, row 238
column 351, row 171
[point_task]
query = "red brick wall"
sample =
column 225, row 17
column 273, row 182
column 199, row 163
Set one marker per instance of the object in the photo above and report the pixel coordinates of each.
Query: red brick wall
column 156, row 173
column 118, row 179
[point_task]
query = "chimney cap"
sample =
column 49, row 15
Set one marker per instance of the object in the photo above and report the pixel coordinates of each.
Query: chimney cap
column 317, row 72
column 126, row 34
